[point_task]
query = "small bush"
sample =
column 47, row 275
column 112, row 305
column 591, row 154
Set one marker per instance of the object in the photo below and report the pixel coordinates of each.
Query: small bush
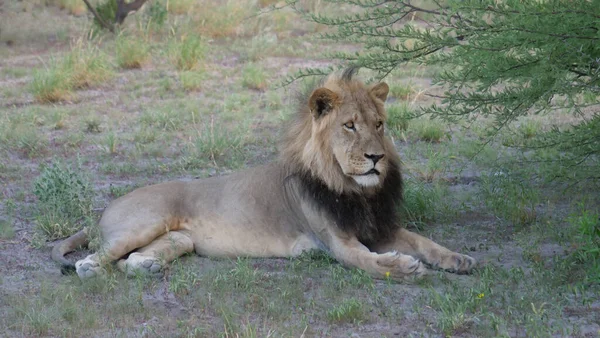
column 132, row 53
column 187, row 53
column 64, row 200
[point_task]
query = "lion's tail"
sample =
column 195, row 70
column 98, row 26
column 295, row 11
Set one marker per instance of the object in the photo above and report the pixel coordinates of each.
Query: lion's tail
column 61, row 249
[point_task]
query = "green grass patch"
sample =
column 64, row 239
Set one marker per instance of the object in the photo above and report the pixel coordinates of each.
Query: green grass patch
column 349, row 311
column 428, row 130
column 399, row 116
column 254, row 77
column 192, row 80
column 84, row 66
column 131, row 52
column 421, row 202
column 7, row 231
column 401, row 91
column 509, row 197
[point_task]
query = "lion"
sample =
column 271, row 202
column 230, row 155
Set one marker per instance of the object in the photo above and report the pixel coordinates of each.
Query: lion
column 336, row 186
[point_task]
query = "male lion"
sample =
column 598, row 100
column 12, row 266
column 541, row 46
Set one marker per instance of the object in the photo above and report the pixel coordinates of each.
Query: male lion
column 336, row 187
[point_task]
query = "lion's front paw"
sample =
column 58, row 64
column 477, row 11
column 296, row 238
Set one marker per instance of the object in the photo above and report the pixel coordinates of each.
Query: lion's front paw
column 88, row 268
column 459, row 263
column 137, row 263
column 400, row 267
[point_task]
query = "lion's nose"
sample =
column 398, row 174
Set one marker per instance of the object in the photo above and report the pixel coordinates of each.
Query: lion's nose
column 374, row 158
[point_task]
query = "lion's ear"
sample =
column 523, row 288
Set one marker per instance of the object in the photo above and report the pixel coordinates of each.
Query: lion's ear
column 380, row 91
column 322, row 101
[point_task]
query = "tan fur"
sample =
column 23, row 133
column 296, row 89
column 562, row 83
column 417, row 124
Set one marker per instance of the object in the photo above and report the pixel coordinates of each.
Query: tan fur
column 263, row 212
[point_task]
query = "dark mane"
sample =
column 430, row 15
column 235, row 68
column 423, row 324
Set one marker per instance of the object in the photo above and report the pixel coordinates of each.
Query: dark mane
column 369, row 218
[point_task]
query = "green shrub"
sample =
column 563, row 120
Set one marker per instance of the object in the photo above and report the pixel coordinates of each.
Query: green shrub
column 187, row 53
column 64, row 200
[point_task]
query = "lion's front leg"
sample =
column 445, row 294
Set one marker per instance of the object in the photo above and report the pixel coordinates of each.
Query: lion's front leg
column 428, row 251
column 349, row 251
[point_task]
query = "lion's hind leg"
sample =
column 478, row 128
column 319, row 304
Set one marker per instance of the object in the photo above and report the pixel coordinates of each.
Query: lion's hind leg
column 428, row 251
column 150, row 259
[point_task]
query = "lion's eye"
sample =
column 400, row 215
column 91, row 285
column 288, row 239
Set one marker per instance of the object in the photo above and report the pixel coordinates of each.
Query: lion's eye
column 349, row 125
column 379, row 125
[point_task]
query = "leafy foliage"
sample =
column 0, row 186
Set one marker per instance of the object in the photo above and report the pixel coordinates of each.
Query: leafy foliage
column 502, row 59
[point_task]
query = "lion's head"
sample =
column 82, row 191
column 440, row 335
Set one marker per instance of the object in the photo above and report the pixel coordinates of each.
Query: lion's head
column 338, row 134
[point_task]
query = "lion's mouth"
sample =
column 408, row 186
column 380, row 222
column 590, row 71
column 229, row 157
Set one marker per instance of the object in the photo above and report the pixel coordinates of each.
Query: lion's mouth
column 371, row 172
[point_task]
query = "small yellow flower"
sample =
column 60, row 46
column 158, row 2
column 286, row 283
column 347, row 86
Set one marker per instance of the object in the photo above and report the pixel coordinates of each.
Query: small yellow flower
column 387, row 274
column 481, row 295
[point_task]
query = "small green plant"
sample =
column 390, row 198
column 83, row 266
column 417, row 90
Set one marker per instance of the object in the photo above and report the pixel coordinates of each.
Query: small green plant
column 132, row 53
column 187, row 53
column 191, row 80
column 64, row 200
column 529, row 129
column 349, row 311
column 92, row 124
column 111, row 143
column 253, row 77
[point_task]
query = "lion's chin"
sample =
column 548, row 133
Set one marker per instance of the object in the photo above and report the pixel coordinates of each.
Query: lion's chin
column 367, row 180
